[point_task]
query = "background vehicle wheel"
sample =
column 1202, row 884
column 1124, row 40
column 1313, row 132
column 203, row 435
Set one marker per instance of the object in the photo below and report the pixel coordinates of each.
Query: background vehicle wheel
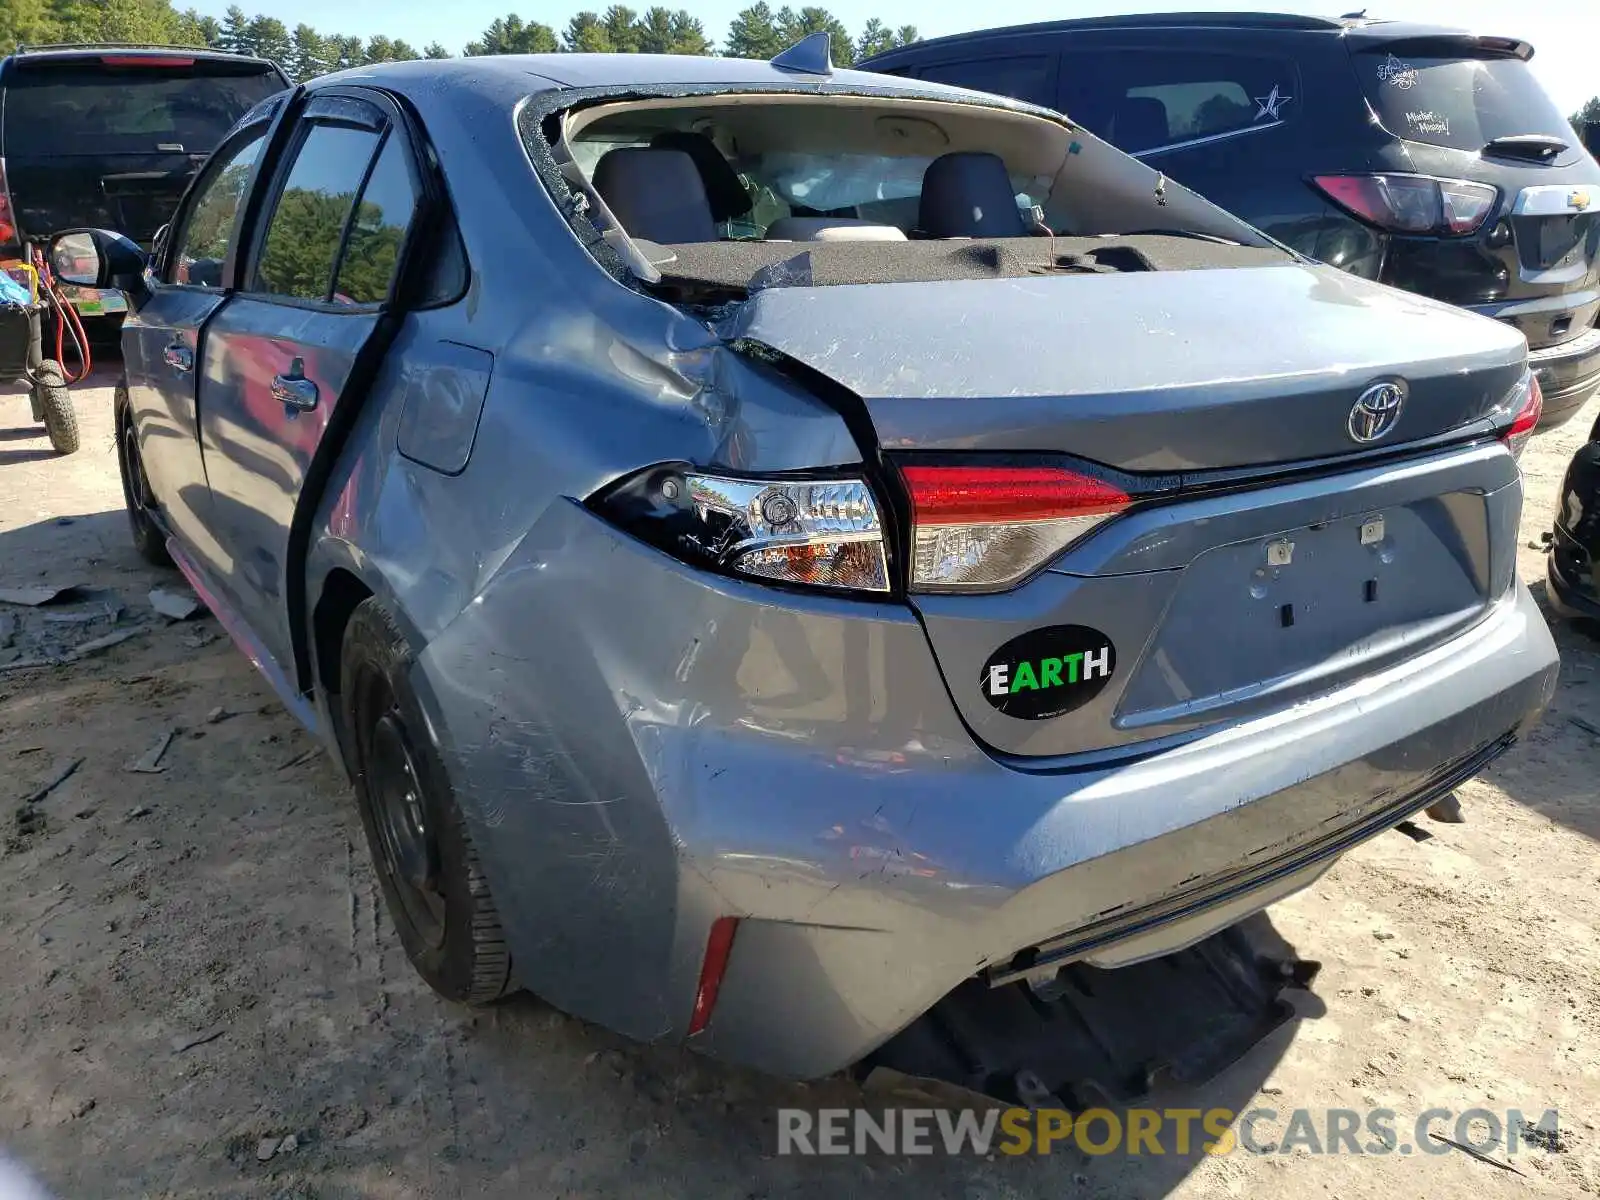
column 137, row 497
column 53, row 403
column 436, row 892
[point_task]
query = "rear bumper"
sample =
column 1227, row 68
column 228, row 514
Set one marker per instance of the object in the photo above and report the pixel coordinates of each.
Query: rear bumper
column 1568, row 374
column 640, row 750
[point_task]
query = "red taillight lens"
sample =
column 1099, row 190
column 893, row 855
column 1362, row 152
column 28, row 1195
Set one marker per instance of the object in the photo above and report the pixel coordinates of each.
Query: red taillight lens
column 719, row 944
column 1530, row 407
column 1416, row 204
column 985, row 528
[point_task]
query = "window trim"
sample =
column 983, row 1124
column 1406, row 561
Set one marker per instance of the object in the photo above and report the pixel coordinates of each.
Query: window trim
column 164, row 269
column 1206, row 139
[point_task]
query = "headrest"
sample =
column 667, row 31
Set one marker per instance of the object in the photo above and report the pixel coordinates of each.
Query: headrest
column 657, row 195
column 727, row 195
column 969, row 194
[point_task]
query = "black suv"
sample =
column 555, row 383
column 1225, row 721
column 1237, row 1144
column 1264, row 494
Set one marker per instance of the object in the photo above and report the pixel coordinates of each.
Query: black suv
column 109, row 136
column 1423, row 157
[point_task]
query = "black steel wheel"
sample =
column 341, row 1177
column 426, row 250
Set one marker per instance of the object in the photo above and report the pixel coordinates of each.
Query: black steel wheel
column 433, row 885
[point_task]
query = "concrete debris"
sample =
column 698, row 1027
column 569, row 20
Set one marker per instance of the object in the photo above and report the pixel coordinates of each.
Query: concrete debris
column 174, row 604
column 266, row 1148
column 217, row 714
column 61, row 775
column 139, row 810
column 106, row 612
column 150, row 763
column 33, row 597
column 102, row 643
column 289, row 1145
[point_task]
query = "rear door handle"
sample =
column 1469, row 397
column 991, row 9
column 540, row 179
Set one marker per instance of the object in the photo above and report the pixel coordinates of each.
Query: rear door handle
column 294, row 391
column 179, row 357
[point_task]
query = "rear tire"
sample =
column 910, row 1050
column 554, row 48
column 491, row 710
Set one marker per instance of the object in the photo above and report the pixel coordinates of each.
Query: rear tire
column 434, row 887
column 137, row 497
column 53, row 403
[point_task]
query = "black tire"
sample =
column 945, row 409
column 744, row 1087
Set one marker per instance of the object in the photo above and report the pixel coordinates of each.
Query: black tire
column 54, row 404
column 434, row 887
column 137, row 498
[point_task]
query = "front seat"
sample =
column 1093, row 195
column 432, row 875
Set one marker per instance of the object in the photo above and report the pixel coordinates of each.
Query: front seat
column 727, row 195
column 1140, row 123
column 657, row 195
column 967, row 194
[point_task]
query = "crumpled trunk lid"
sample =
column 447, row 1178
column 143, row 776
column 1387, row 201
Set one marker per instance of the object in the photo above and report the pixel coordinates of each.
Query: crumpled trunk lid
column 1144, row 371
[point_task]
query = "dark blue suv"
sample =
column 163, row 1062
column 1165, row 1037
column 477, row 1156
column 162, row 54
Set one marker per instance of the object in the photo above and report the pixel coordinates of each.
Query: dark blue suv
column 1423, row 157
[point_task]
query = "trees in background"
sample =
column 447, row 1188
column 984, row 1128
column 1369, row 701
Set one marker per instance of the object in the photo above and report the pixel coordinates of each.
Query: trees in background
column 758, row 31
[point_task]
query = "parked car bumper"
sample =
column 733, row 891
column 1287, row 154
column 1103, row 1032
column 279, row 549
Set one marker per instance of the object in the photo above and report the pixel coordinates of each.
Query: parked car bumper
column 1568, row 374
column 1573, row 583
column 641, row 749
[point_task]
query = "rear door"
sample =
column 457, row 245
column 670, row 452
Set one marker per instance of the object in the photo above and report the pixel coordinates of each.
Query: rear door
column 160, row 342
column 112, row 140
column 294, row 345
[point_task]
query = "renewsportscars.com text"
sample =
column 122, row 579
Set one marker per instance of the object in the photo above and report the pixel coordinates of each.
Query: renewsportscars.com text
column 1150, row 1131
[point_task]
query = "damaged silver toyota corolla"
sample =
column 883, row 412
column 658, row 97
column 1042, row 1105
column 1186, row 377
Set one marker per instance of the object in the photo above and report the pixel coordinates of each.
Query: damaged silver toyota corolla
column 776, row 548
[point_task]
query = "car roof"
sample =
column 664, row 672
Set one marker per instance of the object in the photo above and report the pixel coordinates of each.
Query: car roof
column 1357, row 28
column 657, row 72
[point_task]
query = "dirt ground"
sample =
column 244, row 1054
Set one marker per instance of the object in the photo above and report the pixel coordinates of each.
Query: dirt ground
column 197, row 965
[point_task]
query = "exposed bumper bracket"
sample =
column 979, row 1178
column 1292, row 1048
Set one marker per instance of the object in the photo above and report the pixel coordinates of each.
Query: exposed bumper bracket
column 1104, row 1036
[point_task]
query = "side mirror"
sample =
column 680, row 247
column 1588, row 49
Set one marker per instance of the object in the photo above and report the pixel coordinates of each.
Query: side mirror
column 96, row 258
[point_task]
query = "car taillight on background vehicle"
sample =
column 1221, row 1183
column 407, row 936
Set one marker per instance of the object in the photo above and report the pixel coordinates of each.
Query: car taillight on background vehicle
column 1416, row 204
column 823, row 533
column 984, row 528
column 1527, row 403
column 8, row 221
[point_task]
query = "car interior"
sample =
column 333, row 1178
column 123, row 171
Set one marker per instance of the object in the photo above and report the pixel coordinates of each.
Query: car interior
column 737, row 192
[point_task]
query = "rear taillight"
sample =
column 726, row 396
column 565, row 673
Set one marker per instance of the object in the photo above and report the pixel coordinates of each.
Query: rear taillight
column 822, row 533
column 8, row 221
column 1527, row 403
column 1416, row 204
column 986, row 528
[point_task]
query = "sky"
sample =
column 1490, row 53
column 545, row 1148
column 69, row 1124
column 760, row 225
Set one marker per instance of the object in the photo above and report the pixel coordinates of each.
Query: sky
column 1565, row 33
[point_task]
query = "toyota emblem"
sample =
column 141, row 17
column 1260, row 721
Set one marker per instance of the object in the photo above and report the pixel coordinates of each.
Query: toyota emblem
column 1376, row 412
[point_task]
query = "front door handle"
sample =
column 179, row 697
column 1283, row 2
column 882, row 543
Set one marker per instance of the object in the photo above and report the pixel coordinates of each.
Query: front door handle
column 294, row 390
column 179, row 357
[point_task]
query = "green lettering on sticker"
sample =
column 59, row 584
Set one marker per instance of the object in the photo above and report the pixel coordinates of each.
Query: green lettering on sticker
column 1024, row 680
column 1050, row 673
column 1072, row 661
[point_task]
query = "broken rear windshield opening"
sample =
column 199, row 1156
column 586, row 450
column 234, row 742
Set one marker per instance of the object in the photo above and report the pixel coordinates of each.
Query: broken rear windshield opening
column 1462, row 103
column 741, row 192
column 93, row 109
